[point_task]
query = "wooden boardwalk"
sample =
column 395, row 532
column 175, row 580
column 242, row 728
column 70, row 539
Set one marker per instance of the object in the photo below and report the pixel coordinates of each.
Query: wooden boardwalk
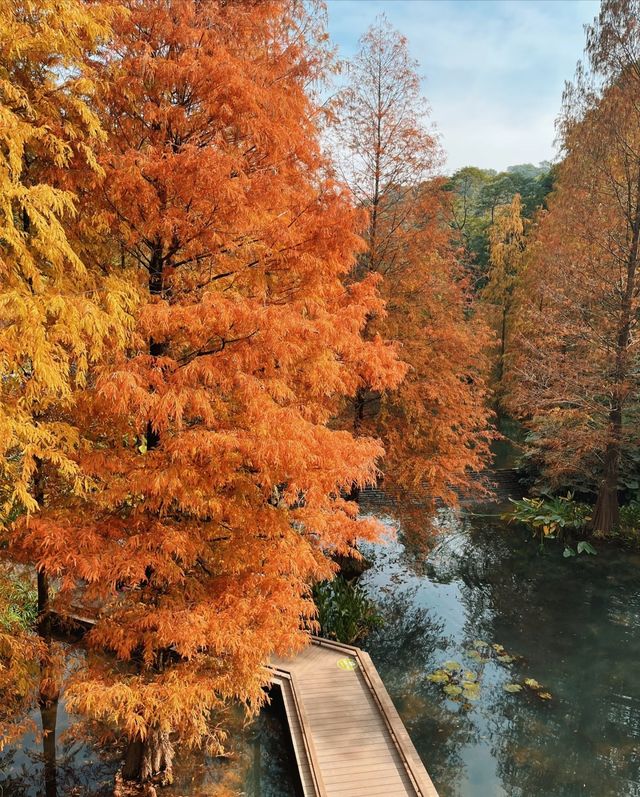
column 348, row 738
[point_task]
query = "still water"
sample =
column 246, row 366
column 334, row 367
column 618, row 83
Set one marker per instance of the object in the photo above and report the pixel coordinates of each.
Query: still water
column 573, row 625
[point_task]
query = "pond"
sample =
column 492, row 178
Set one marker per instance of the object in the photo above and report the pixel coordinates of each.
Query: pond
column 573, row 625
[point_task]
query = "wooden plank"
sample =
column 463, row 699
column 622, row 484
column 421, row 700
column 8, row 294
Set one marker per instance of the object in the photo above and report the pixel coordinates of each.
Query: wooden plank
column 403, row 740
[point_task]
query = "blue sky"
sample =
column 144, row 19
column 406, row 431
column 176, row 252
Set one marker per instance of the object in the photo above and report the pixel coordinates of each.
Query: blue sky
column 493, row 70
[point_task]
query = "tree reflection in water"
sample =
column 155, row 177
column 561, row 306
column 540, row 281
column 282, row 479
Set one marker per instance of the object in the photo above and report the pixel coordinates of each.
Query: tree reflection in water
column 576, row 625
column 48, row 717
column 405, row 649
column 52, row 763
column 64, row 759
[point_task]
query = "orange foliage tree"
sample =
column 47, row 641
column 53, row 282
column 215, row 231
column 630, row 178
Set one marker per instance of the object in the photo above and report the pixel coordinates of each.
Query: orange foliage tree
column 217, row 479
column 434, row 425
column 576, row 370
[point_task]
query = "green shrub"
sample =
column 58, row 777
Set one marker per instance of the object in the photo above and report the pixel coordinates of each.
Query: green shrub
column 345, row 612
column 628, row 530
column 554, row 517
column 18, row 602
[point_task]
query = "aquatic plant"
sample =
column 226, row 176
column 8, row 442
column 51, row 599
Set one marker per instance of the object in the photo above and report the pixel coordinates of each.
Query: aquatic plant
column 551, row 517
column 462, row 685
column 345, row 611
column 458, row 684
column 529, row 685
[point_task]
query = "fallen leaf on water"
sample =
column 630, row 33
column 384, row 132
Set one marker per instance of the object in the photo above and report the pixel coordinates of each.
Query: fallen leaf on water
column 469, row 675
column 544, row 695
column 452, row 666
column 439, row 677
column 452, row 689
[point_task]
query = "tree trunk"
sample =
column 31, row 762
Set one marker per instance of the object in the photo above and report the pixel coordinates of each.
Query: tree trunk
column 156, row 349
column 150, row 759
column 44, row 618
column 503, row 348
column 49, row 687
column 499, row 392
column 606, row 512
column 358, row 417
column 358, row 410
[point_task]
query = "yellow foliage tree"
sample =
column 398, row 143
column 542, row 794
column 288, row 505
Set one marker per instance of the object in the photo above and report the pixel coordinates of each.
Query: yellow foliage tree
column 507, row 247
column 58, row 315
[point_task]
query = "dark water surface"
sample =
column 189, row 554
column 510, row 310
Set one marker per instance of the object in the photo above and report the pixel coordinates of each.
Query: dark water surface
column 571, row 624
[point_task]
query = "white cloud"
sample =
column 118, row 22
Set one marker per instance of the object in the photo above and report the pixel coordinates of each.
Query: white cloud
column 494, row 69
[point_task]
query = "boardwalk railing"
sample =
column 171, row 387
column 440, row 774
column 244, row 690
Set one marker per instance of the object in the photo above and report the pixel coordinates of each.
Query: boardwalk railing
column 406, row 750
column 307, row 760
column 404, row 772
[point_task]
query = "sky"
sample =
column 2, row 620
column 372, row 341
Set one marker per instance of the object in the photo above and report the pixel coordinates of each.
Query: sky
column 492, row 71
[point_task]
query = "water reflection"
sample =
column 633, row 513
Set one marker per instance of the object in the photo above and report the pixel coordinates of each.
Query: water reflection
column 50, row 761
column 405, row 647
column 575, row 627
column 63, row 759
column 48, row 718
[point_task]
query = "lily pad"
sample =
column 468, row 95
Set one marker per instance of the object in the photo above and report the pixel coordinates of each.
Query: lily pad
column 452, row 666
column 439, row 677
column 452, row 689
column 532, row 683
column 513, row 688
column 471, row 690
